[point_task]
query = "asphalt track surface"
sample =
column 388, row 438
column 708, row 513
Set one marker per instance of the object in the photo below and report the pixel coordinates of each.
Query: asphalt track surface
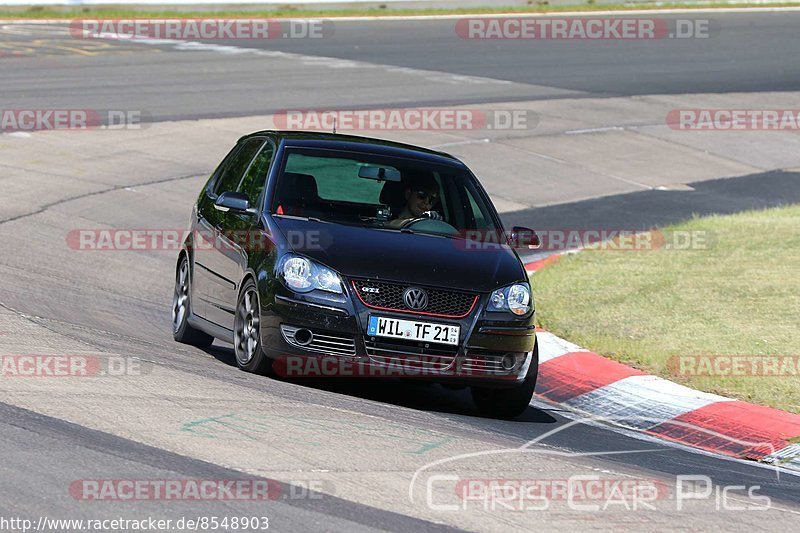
column 110, row 305
column 746, row 53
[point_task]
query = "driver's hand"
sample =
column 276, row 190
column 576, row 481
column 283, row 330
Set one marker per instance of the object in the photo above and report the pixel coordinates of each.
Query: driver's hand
column 434, row 215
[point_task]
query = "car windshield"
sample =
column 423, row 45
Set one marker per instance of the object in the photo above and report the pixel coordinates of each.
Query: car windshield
column 381, row 192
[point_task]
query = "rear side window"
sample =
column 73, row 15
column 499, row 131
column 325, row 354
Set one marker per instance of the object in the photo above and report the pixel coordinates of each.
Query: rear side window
column 256, row 177
column 232, row 175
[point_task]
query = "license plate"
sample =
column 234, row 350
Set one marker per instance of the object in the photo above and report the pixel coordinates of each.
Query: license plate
column 380, row 326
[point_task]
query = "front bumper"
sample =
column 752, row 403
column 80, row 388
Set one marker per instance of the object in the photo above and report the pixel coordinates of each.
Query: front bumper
column 491, row 352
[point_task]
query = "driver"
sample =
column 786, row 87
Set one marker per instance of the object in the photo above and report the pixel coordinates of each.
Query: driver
column 421, row 195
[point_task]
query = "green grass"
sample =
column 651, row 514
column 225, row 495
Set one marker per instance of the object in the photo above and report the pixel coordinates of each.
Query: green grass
column 740, row 296
column 50, row 12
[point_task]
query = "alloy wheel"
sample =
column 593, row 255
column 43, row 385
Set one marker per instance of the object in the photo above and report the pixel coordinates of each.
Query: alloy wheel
column 246, row 329
column 180, row 298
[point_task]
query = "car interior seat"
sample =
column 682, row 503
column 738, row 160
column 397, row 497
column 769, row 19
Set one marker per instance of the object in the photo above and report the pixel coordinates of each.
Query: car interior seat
column 298, row 195
column 393, row 195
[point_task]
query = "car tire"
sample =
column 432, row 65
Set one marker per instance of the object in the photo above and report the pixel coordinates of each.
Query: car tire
column 509, row 403
column 182, row 308
column 250, row 356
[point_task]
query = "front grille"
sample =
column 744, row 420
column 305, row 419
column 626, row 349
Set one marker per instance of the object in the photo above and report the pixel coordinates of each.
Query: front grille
column 389, row 296
column 409, row 354
column 329, row 343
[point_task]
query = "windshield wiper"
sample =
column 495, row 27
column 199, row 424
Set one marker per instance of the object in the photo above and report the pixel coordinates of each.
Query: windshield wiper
column 415, row 232
column 301, row 217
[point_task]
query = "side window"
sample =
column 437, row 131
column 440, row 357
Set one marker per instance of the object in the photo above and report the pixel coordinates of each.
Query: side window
column 212, row 180
column 256, row 177
column 232, row 175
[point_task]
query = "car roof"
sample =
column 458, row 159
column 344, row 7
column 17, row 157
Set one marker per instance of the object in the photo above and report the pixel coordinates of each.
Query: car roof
column 355, row 143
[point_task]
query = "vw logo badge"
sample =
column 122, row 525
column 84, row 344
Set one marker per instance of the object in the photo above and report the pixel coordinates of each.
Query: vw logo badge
column 415, row 298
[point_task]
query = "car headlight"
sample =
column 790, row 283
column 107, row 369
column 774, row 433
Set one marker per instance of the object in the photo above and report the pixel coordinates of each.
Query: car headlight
column 514, row 298
column 303, row 275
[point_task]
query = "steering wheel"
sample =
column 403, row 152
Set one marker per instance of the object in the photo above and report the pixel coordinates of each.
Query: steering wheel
column 411, row 221
column 432, row 226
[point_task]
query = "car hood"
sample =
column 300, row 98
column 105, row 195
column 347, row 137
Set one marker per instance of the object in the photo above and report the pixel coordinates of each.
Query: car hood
column 394, row 256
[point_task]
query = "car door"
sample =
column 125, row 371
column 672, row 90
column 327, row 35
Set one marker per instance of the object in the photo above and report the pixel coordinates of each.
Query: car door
column 203, row 238
column 239, row 233
column 218, row 283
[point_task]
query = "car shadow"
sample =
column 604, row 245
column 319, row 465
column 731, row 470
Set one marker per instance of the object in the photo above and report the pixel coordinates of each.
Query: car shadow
column 411, row 393
column 414, row 394
column 223, row 354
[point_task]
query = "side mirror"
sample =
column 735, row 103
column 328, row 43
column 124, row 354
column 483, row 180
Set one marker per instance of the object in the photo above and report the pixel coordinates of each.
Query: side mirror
column 524, row 238
column 235, row 202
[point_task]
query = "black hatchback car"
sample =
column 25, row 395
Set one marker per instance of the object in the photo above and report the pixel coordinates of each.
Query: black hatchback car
column 367, row 254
